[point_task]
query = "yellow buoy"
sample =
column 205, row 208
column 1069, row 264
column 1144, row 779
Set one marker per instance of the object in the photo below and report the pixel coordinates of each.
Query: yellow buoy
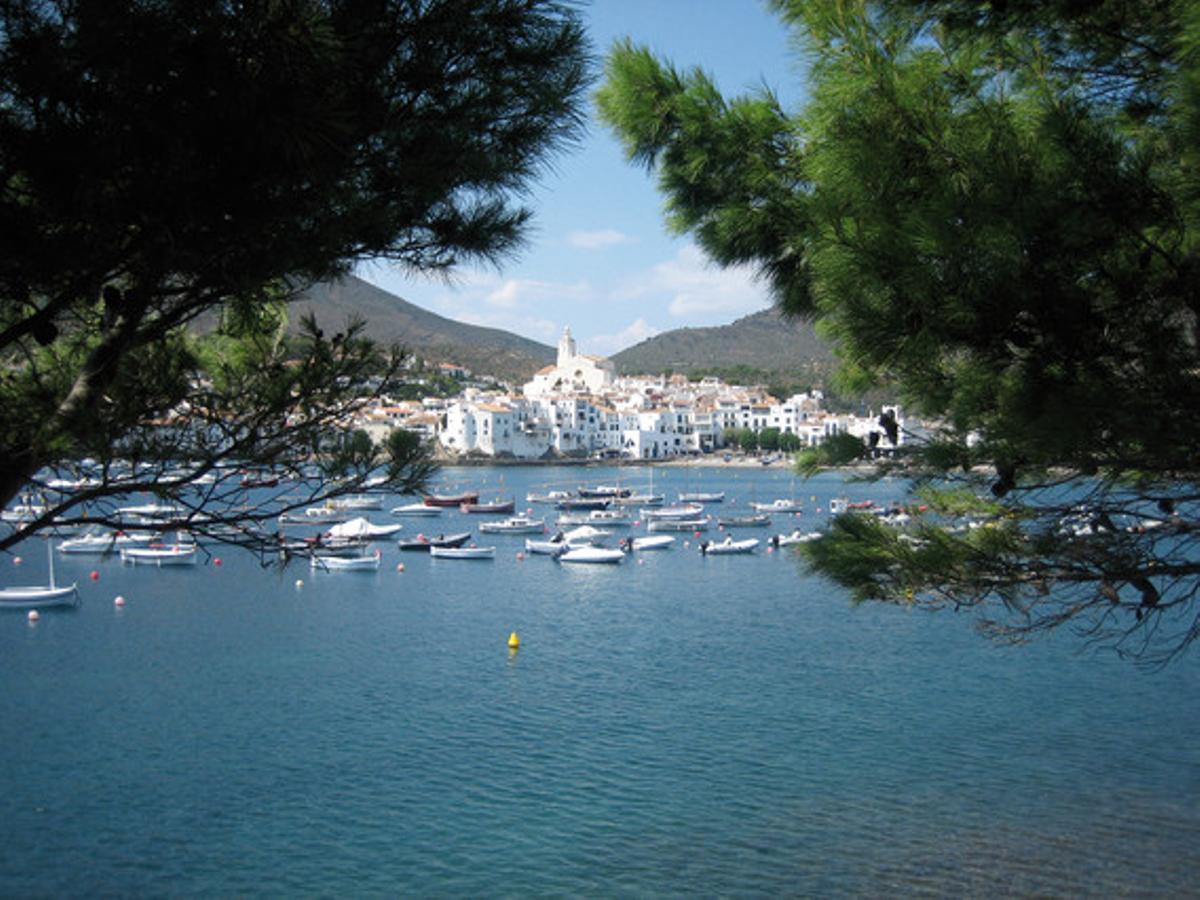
column 513, row 641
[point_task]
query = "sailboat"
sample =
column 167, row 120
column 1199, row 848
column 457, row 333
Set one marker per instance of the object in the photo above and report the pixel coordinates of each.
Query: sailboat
column 37, row 596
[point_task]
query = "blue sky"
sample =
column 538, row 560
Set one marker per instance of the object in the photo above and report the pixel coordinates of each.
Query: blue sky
column 600, row 259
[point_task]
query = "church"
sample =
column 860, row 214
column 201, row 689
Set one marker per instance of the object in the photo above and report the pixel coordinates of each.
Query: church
column 573, row 373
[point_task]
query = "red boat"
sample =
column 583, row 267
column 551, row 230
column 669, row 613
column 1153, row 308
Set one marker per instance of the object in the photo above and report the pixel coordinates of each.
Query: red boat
column 450, row 500
column 500, row 506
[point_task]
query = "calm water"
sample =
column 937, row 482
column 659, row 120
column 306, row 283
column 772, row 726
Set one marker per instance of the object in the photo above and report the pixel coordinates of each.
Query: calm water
column 686, row 725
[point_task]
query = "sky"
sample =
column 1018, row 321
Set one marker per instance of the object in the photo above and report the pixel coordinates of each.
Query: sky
column 599, row 258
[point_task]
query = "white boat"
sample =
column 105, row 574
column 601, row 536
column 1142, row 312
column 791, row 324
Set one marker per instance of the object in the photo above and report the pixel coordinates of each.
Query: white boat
column 591, row 555
column 658, row 525
column 366, row 563
column 416, row 509
column 23, row 512
column 729, row 545
column 640, row 500
column 150, row 512
column 651, row 542
column 796, row 537
column 702, row 497
column 362, row 529
column 685, row 511
column 781, row 505
column 611, row 517
column 104, row 542
column 38, row 596
column 160, row 555
column 586, row 534
column 548, row 497
column 514, row 525
column 357, row 501
column 549, row 546
column 463, row 552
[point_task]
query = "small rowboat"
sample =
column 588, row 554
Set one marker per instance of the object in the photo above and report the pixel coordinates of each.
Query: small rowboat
column 702, row 497
column 499, row 506
column 463, row 552
column 451, row 500
column 167, row 555
column 591, row 555
column 420, row 542
column 38, row 596
column 762, row 520
column 651, row 542
column 347, row 563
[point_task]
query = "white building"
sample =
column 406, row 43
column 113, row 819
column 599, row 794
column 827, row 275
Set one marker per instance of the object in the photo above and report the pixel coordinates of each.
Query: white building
column 573, row 373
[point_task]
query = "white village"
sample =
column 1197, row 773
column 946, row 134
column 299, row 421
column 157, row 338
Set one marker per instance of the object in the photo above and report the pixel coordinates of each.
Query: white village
column 580, row 408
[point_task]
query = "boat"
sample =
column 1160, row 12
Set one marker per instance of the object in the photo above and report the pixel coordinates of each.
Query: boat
column 796, row 537
column 584, row 503
column 498, row 506
column 421, row 542
column 640, row 500
column 183, row 554
column 362, row 529
column 729, row 545
column 551, row 546
column 594, row 517
column 604, row 491
column 463, row 552
column 313, row 516
column 23, row 512
column 514, row 525
column 762, row 520
column 416, row 509
column 779, row 506
column 37, row 596
column 650, row 542
column 356, row 501
column 678, row 525
column 702, row 497
column 367, row 563
column 548, row 497
column 591, row 555
column 103, row 542
column 451, row 500
column 686, row 511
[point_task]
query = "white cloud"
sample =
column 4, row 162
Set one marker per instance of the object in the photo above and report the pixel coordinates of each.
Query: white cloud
column 694, row 288
column 608, row 344
column 597, row 240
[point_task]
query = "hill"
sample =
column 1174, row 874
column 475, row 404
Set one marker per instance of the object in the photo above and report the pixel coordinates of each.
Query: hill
column 782, row 349
column 487, row 351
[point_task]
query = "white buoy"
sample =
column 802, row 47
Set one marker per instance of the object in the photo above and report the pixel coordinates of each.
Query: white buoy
column 399, row 567
column 299, row 583
column 118, row 601
column 16, row 560
column 33, row 615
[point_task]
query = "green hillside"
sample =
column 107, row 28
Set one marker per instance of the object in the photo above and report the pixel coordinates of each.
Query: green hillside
column 764, row 342
column 486, row 351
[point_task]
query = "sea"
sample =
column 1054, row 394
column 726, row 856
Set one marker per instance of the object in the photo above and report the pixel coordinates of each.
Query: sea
column 676, row 725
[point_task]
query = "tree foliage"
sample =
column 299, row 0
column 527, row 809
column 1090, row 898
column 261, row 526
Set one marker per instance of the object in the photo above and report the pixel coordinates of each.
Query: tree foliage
column 993, row 208
column 165, row 164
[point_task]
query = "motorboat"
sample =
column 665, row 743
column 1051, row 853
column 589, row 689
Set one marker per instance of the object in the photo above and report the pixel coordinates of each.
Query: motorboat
column 781, row 505
column 684, row 511
column 591, row 555
column 361, row 563
column 551, row 546
column 702, row 497
column 23, row 512
column 729, row 545
column 796, row 537
column 362, row 529
column 640, row 500
column 183, row 554
column 104, row 542
column 604, row 491
column 650, row 542
column 417, row 509
column 421, row 542
column 584, row 503
column 514, row 525
column 498, row 506
column 451, row 500
column 678, row 525
column 462, row 552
